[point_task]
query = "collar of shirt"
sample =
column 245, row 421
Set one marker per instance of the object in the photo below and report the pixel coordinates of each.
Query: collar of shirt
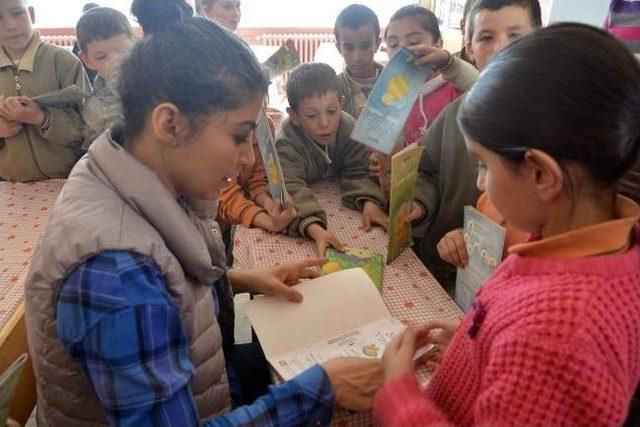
column 598, row 239
column 27, row 60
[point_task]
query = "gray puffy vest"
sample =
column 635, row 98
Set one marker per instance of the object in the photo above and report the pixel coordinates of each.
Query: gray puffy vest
column 113, row 202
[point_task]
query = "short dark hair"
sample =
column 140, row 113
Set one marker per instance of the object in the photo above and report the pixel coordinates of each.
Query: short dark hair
column 153, row 14
column 533, row 6
column 428, row 19
column 539, row 93
column 222, row 74
column 355, row 16
column 311, row 79
column 101, row 23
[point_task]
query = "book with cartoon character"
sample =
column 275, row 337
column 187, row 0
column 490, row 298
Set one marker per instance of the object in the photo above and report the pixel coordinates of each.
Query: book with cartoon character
column 390, row 103
column 286, row 58
column 271, row 160
column 313, row 332
column 404, row 176
column 484, row 240
column 371, row 263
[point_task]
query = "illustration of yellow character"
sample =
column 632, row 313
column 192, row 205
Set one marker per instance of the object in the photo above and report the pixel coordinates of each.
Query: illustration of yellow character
column 370, row 350
column 397, row 89
column 274, row 177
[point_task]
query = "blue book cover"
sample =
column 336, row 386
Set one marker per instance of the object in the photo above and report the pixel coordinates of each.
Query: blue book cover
column 484, row 240
column 271, row 160
column 390, row 103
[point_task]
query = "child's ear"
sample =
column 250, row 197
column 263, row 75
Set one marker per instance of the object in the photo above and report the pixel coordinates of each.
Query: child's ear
column 545, row 173
column 32, row 14
column 439, row 43
column 469, row 49
column 86, row 60
column 293, row 116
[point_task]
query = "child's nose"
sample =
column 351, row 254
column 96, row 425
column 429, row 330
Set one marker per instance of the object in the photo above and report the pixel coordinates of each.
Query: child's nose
column 324, row 120
column 481, row 181
column 247, row 157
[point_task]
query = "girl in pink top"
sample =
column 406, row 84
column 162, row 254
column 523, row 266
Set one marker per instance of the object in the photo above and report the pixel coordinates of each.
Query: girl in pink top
column 414, row 25
column 553, row 338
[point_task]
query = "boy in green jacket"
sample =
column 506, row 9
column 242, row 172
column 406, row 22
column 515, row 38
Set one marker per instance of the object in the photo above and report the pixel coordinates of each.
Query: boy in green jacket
column 314, row 143
column 35, row 143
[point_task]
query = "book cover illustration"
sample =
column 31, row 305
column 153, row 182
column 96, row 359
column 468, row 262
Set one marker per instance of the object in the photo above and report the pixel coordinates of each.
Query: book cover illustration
column 271, row 160
column 484, row 240
column 286, row 58
column 371, row 263
column 390, row 102
column 404, row 176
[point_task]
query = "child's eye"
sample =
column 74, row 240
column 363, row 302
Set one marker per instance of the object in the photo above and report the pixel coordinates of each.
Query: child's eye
column 16, row 14
column 332, row 111
column 515, row 36
column 311, row 116
column 485, row 38
column 241, row 139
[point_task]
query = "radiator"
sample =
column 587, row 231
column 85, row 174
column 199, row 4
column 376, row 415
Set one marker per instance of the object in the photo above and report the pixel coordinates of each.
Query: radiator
column 306, row 44
column 60, row 40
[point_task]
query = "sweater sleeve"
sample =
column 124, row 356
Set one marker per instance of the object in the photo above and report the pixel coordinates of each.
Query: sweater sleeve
column 66, row 122
column 294, row 165
column 235, row 208
column 531, row 378
column 461, row 74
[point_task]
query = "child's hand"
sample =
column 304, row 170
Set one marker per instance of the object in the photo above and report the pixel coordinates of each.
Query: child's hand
column 9, row 128
column 23, row 110
column 427, row 54
column 417, row 211
column 323, row 238
column 267, row 203
column 397, row 360
column 379, row 163
column 453, row 249
column 284, row 218
column 372, row 214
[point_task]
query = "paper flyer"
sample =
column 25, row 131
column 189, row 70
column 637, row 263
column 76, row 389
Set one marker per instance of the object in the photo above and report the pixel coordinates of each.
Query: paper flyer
column 390, row 103
column 271, row 160
column 368, row 341
column 372, row 264
column 8, row 384
column 296, row 336
column 404, row 176
column 69, row 95
column 284, row 59
column 485, row 241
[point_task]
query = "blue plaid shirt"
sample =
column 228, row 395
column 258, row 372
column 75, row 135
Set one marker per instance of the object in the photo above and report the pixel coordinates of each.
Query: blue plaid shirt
column 115, row 317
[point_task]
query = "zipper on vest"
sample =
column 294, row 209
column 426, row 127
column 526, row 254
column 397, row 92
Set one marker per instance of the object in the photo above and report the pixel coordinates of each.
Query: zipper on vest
column 25, row 128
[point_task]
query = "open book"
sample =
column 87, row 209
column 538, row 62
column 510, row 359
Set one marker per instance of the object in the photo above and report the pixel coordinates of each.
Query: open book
column 404, row 176
column 68, row 95
column 8, row 383
column 284, row 59
column 342, row 315
column 390, row 103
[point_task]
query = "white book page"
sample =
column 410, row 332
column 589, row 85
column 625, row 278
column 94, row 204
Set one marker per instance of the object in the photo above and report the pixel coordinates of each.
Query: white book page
column 333, row 304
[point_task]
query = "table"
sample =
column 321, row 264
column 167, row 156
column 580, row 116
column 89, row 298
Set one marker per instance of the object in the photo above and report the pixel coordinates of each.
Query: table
column 24, row 213
column 409, row 290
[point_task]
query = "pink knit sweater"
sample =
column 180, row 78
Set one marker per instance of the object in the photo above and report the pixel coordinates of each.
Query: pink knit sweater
column 551, row 342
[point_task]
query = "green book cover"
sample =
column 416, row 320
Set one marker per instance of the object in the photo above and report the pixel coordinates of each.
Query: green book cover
column 371, row 263
column 404, row 175
column 8, row 383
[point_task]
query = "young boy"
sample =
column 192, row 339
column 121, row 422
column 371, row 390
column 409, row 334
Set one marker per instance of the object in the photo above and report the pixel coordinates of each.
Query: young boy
column 35, row 143
column 314, row 143
column 357, row 33
column 104, row 35
column 448, row 172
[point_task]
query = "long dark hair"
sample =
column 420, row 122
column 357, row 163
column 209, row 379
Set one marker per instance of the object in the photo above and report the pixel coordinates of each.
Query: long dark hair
column 570, row 90
column 190, row 62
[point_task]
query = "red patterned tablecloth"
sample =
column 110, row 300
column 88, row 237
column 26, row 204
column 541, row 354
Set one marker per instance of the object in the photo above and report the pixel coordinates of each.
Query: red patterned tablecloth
column 409, row 290
column 24, row 213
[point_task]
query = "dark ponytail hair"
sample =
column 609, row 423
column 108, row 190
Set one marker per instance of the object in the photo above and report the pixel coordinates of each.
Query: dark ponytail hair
column 570, row 90
column 152, row 15
column 192, row 63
